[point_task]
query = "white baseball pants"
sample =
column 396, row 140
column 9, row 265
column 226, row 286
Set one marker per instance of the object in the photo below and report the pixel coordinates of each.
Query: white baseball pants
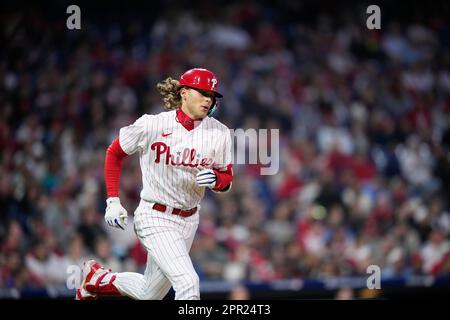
column 168, row 239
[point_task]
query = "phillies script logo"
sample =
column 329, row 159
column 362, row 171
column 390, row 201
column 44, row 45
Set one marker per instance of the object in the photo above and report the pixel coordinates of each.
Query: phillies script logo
column 187, row 158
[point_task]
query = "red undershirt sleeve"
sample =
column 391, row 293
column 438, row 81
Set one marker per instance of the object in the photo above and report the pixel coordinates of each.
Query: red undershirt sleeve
column 224, row 179
column 113, row 168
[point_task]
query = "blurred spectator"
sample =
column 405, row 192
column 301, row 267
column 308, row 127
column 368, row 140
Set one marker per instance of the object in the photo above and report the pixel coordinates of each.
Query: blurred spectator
column 90, row 228
column 14, row 239
column 102, row 254
column 211, row 257
column 345, row 294
column 75, row 255
column 239, row 293
column 44, row 264
column 434, row 250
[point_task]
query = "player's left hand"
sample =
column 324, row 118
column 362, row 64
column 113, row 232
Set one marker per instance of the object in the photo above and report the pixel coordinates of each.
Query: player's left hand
column 115, row 216
column 206, row 178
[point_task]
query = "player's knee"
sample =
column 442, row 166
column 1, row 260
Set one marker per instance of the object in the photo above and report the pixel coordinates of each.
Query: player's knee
column 187, row 286
column 194, row 280
column 192, row 283
column 157, row 293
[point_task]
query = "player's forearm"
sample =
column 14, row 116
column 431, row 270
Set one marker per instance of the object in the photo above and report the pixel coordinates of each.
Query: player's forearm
column 113, row 168
column 224, row 179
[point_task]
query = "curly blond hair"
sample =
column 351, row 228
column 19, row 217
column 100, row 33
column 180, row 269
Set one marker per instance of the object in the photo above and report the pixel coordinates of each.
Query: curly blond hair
column 171, row 93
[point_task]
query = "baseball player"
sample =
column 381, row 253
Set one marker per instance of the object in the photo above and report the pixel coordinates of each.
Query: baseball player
column 182, row 152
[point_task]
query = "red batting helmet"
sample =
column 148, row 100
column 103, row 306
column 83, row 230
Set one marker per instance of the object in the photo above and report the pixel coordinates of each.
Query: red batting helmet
column 200, row 79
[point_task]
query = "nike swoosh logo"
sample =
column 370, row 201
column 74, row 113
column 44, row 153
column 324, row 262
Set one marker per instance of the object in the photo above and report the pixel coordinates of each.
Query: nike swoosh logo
column 166, row 134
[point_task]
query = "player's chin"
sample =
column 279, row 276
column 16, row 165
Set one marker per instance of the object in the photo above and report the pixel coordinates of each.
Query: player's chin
column 204, row 111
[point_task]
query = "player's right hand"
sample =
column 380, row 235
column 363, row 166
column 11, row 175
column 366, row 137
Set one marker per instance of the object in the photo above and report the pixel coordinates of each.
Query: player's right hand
column 116, row 215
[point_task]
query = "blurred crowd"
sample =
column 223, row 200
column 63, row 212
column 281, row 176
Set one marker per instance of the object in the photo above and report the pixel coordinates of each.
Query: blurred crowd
column 364, row 119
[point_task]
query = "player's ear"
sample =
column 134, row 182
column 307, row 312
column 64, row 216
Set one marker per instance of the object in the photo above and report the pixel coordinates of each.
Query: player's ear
column 183, row 92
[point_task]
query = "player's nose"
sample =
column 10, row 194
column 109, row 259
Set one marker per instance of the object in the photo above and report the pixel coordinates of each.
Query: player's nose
column 208, row 100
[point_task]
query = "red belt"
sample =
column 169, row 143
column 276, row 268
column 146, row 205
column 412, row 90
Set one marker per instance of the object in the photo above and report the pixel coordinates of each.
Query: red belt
column 178, row 212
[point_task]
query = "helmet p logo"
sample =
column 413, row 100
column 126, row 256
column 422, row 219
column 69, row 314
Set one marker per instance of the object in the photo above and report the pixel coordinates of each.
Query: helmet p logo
column 214, row 82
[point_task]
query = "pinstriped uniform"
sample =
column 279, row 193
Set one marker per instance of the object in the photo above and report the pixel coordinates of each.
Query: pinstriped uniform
column 170, row 157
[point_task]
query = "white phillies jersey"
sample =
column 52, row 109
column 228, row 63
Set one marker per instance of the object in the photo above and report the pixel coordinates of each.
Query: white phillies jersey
column 171, row 156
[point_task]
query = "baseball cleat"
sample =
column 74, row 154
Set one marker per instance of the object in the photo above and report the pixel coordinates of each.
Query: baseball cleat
column 90, row 268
